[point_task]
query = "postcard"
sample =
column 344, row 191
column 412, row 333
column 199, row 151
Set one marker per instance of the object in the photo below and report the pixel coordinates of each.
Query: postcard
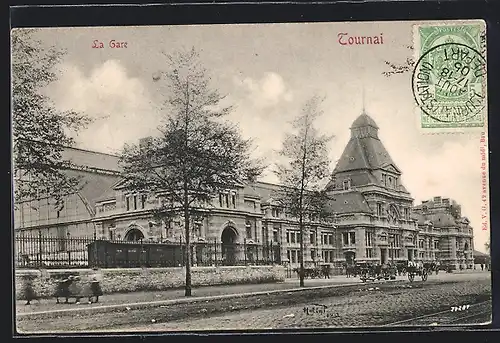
column 251, row 177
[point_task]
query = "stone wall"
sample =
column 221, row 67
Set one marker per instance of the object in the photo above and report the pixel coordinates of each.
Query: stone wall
column 145, row 279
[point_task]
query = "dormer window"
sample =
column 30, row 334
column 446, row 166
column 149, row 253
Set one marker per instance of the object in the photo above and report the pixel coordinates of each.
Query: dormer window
column 346, row 184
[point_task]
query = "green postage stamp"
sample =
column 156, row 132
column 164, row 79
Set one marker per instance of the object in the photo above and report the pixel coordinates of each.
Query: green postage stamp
column 449, row 76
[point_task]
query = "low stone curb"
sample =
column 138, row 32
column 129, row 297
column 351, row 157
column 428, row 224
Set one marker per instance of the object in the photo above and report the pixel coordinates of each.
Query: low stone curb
column 144, row 305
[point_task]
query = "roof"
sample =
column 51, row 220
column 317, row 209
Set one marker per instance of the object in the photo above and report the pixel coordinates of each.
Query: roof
column 94, row 184
column 364, row 151
column 438, row 219
column 250, row 191
column 348, row 202
column 364, row 120
column 91, row 159
column 358, row 178
column 263, row 190
column 109, row 194
column 476, row 253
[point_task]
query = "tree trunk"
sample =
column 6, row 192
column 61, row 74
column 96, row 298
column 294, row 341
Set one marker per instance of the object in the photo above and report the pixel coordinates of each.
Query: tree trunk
column 187, row 253
column 301, row 251
column 301, row 208
column 186, row 200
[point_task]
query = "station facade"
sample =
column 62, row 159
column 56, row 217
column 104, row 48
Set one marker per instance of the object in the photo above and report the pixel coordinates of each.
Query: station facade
column 372, row 217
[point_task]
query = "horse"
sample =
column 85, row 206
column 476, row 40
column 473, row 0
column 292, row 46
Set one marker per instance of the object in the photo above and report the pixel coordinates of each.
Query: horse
column 431, row 267
column 401, row 268
column 350, row 271
column 325, row 271
column 377, row 270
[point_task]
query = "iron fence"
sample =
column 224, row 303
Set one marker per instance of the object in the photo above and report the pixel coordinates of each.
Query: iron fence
column 37, row 251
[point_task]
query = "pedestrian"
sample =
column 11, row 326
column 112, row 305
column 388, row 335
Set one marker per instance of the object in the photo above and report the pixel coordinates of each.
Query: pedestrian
column 482, row 266
column 29, row 289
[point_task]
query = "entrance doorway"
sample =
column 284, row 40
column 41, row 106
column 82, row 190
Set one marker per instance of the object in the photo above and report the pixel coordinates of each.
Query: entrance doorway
column 350, row 256
column 134, row 235
column 228, row 237
column 383, row 256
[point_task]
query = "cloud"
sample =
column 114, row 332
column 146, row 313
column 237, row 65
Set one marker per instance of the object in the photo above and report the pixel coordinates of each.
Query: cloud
column 269, row 91
column 452, row 171
column 119, row 104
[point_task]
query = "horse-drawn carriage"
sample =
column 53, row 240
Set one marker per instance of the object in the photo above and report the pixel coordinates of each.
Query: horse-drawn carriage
column 319, row 271
column 416, row 270
column 370, row 272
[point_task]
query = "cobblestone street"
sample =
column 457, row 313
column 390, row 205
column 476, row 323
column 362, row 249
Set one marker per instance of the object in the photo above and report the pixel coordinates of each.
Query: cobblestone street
column 368, row 308
column 150, row 296
column 372, row 304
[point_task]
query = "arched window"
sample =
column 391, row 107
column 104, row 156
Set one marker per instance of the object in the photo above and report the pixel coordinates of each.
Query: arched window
column 134, row 235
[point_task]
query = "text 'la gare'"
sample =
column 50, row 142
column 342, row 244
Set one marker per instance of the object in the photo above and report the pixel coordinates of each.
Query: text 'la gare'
column 97, row 44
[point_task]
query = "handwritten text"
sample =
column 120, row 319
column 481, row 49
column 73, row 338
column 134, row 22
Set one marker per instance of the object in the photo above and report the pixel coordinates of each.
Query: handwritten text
column 460, row 308
column 315, row 309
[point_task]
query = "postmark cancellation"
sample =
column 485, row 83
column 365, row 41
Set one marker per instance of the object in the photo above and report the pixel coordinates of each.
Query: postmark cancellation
column 449, row 77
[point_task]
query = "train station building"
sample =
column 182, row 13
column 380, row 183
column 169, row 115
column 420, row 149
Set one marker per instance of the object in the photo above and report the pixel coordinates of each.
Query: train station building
column 372, row 217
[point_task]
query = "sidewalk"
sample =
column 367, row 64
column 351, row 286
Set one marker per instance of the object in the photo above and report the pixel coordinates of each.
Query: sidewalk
column 153, row 296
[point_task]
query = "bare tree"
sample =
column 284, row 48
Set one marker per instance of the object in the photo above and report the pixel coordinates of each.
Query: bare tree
column 198, row 153
column 40, row 131
column 301, row 193
column 400, row 68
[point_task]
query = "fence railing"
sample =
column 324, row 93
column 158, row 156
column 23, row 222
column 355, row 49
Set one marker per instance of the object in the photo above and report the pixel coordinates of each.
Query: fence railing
column 36, row 251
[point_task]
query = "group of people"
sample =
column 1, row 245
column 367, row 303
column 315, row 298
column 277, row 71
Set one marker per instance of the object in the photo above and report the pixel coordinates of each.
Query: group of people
column 400, row 268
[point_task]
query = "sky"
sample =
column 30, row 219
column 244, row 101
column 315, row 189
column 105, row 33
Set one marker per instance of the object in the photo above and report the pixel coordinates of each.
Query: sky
column 268, row 72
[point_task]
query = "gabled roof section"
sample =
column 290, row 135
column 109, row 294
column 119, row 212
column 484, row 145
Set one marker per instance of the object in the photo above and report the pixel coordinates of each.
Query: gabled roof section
column 94, row 184
column 265, row 190
column 347, row 202
column 109, row 194
column 392, row 168
column 119, row 183
column 251, row 191
column 364, row 150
